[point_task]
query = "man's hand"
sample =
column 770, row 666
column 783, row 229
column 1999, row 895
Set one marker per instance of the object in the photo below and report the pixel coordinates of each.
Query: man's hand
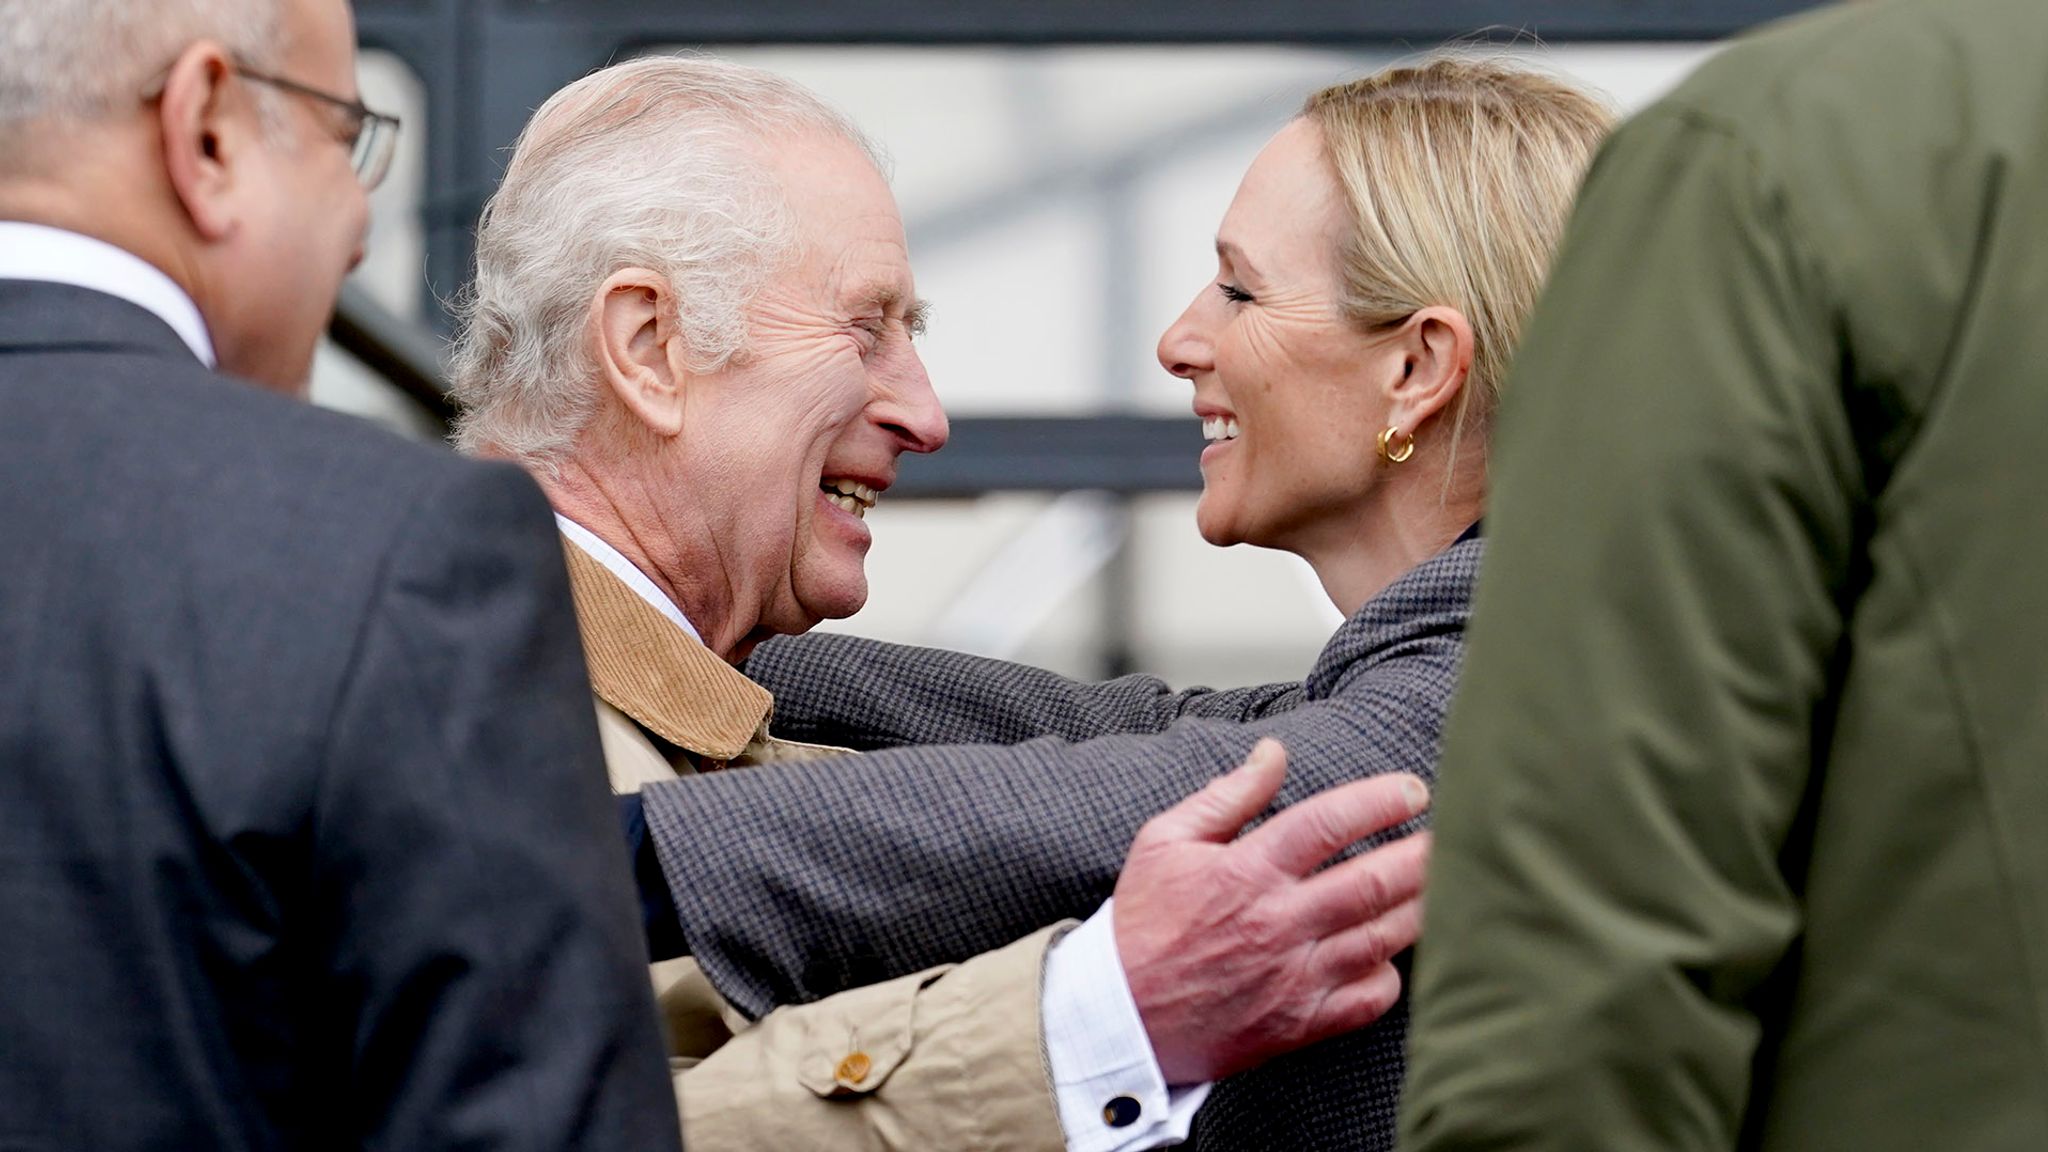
column 1237, row 950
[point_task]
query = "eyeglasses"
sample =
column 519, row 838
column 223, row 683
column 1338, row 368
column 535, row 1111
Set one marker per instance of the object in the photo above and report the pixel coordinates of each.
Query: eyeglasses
column 372, row 137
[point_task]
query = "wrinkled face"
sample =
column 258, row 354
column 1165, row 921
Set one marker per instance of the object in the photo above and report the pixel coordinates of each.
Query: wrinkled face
column 1288, row 391
column 806, row 427
column 306, row 217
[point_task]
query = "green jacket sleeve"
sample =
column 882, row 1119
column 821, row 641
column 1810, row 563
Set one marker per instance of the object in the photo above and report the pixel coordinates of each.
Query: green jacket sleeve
column 1675, row 497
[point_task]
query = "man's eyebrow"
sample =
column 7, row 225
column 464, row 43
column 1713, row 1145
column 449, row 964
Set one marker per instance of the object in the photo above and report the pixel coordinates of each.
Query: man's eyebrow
column 888, row 298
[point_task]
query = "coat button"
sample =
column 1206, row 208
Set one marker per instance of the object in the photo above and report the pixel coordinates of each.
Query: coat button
column 1121, row 1112
column 854, row 1069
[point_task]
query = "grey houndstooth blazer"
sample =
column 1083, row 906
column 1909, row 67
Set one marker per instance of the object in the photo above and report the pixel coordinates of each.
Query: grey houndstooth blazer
column 1001, row 798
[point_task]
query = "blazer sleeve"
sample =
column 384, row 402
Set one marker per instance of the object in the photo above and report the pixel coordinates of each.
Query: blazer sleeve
column 952, row 1057
column 856, row 693
column 1679, row 493
column 796, row 881
column 484, row 968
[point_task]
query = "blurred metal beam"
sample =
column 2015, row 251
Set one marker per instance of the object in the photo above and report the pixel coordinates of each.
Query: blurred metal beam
column 1425, row 22
column 487, row 64
column 394, row 347
column 434, row 39
column 1109, row 453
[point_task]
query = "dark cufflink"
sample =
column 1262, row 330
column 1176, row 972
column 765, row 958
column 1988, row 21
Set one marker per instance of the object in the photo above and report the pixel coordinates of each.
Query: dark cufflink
column 1121, row 1112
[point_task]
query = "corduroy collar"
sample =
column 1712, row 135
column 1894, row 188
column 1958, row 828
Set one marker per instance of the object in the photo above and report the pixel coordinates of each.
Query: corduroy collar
column 653, row 671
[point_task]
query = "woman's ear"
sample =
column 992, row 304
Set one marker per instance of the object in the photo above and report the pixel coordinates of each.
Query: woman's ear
column 206, row 125
column 1437, row 357
column 632, row 319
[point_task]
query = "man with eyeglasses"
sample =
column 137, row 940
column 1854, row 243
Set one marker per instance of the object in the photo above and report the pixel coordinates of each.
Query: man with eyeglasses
column 302, row 842
column 371, row 137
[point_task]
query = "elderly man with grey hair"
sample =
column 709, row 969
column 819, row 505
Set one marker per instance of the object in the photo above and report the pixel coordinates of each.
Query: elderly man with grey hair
column 299, row 846
column 693, row 320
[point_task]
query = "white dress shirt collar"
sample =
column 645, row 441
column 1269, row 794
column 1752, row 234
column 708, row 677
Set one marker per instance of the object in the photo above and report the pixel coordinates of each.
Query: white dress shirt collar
column 617, row 564
column 38, row 252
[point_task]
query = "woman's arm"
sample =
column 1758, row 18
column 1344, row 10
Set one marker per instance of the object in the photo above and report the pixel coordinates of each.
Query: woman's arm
column 796, row 881
column 856, row 693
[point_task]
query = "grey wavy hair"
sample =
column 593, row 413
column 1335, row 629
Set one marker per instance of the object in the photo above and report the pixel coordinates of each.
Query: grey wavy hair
column 643, row 164
column 78, row 60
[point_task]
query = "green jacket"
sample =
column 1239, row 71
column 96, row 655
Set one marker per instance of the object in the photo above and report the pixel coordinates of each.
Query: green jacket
column 1743, row 830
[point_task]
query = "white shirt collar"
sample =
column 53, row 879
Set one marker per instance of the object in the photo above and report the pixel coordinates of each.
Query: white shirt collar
column 38, row 252
column 619, row 566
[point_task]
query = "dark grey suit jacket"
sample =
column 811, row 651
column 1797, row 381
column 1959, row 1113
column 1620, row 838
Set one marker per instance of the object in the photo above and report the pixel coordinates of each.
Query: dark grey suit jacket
column 303, row 841
column 1003, row 798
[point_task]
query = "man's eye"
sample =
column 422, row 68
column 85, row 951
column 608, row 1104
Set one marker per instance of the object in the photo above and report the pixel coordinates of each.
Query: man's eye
column 1233, row 293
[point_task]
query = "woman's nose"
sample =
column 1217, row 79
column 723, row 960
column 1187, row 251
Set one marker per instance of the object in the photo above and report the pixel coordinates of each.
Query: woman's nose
column 1183, row 350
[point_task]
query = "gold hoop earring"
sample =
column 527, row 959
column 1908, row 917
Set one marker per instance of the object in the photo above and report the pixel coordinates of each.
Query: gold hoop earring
column 1391, row 454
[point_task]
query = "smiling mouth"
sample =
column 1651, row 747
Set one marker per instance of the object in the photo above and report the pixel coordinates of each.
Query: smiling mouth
column 1217, row 429
column 851, row 496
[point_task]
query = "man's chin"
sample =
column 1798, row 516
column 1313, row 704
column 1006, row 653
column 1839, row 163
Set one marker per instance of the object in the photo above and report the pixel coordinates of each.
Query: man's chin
column 826, row 600
column 839, row 607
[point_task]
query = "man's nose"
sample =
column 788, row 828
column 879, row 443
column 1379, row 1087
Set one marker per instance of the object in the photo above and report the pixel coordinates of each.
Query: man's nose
column 912, row 411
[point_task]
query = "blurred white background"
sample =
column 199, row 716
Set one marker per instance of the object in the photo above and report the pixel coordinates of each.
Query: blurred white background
column 1061, row 205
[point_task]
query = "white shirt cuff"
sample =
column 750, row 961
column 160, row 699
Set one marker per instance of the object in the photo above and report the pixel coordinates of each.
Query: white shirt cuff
column 1106, row 1080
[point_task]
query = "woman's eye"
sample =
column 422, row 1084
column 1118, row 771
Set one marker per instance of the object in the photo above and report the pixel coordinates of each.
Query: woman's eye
column 1233, row 293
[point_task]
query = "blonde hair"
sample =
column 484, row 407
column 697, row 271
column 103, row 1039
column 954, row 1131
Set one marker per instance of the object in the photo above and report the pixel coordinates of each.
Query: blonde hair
column 1459, row 173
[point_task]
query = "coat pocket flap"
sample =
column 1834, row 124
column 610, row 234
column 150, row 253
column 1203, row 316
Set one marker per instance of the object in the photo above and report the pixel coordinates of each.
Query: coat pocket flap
column 851, row 1042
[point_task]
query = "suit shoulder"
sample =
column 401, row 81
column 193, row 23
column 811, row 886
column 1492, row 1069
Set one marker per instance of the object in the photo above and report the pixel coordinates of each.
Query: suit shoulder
column 305, row 437
column 302, row 454
column 220, row 479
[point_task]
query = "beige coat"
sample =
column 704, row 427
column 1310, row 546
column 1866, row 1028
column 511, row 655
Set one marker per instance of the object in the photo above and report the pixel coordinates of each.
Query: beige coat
column 951, row 1057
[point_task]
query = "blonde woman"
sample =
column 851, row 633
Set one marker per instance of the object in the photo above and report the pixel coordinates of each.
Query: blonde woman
column 1373, row 274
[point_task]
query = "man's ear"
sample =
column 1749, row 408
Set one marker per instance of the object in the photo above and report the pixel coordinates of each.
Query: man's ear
column 1436, row 345
column 632, row 322
column 208, row 121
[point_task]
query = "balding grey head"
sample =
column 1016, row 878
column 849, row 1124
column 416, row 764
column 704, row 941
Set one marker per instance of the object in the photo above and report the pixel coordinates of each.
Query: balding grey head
column 78, row 60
